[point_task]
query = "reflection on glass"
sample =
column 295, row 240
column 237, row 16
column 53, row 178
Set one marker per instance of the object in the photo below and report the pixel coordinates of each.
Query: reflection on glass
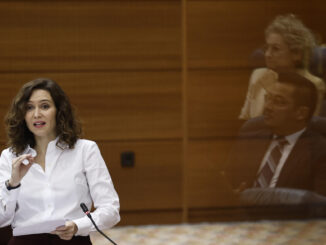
column 280, row 158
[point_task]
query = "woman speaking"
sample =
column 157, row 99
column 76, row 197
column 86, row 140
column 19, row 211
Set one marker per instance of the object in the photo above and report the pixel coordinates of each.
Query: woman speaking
column 48, row 170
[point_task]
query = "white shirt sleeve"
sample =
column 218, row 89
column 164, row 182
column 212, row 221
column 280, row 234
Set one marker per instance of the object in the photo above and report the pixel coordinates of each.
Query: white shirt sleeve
column 8, row 199
column 104, row 196
column 245, row 110
column 260, row 80
column 254, row 101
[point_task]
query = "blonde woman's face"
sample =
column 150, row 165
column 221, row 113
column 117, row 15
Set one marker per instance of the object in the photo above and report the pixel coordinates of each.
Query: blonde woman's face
column 278, row 55
column 40, row 115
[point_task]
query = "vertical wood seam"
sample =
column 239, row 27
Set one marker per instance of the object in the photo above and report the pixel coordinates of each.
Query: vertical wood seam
column 184, row 92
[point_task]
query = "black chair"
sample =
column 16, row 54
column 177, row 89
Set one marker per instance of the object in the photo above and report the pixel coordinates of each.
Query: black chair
column 318, row 62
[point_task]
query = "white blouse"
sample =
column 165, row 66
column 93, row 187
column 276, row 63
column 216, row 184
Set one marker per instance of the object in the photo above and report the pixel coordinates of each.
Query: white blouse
column 71, row 176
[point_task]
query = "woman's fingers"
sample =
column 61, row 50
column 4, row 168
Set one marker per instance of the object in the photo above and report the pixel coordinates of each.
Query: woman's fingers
column 19, row 169
column 67, row 231
column 19, row 160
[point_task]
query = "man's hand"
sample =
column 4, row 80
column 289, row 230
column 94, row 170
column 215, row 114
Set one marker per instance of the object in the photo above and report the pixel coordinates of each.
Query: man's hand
column 240, row 188
column 67, row 231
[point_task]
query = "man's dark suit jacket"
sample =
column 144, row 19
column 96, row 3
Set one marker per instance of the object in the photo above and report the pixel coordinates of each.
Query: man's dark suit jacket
column 305, row 167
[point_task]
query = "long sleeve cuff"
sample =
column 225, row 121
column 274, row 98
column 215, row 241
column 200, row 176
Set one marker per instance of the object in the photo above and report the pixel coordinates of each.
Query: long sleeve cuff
column 8, row 200
column 10, row 195
column 84, row 225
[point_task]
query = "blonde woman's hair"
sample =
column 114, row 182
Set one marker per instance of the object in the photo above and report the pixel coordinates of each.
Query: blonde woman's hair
column 295, row 34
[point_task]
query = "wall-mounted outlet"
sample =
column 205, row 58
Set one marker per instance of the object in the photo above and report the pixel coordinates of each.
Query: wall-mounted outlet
column 127, row 159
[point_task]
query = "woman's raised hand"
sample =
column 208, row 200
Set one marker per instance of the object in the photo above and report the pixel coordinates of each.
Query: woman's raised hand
column 19, row 169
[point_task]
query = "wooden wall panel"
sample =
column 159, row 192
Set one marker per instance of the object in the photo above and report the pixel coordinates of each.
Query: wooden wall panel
column 312, row 13
column 155, row 180
column 207, row 187
column 134, row 105
column 224, row 33
column 114, row 105
column 89, row 35
column 215, row 99
column 121, row 64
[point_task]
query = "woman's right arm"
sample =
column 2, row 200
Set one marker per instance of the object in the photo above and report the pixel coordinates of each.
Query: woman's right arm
column 245, row 111
column 7, row 198
column 12, row 170
column 260, row 80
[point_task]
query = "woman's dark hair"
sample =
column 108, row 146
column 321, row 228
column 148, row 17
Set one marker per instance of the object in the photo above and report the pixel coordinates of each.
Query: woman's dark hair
column 68, row 128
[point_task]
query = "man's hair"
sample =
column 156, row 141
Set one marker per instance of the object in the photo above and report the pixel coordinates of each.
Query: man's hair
column 305, row 92
column 295, row 34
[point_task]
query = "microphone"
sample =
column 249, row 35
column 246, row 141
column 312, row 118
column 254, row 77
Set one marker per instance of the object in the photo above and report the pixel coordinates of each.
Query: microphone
column 88, row 213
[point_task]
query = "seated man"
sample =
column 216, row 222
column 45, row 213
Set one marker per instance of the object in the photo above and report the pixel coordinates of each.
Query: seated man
column 281, row 151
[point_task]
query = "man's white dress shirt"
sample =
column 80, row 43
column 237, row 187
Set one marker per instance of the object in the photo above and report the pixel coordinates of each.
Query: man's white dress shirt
column 71, row 176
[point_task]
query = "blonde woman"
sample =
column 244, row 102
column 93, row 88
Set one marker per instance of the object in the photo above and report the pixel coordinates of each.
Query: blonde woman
column 289, row 44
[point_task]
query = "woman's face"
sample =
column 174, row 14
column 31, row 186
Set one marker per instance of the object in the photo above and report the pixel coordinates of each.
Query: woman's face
column 40, row 115
column 278, row 56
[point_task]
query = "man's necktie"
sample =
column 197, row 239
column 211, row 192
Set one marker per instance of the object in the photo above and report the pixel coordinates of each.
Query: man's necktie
column 267, row 172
